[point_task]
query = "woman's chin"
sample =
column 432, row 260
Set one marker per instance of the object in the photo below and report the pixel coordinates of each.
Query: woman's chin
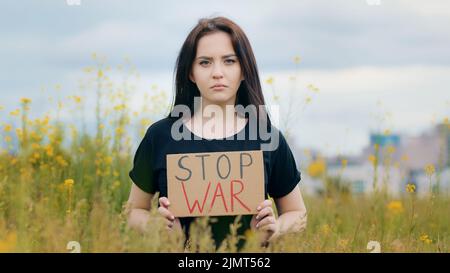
column 219, row 98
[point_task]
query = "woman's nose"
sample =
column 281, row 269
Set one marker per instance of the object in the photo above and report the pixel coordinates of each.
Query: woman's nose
column 217, row 72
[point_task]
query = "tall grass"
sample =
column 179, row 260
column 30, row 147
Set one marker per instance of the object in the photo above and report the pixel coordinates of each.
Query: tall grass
column 57, row 187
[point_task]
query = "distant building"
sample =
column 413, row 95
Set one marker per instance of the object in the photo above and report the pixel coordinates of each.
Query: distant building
column 401, row 160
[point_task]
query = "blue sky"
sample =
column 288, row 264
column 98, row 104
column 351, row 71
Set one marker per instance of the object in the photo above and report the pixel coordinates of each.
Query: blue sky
column 358, row 54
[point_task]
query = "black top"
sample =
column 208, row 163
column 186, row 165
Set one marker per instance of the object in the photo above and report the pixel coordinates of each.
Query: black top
column 149, row 171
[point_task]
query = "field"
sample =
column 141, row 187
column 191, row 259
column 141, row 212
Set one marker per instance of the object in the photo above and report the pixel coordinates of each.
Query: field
column 58, row 184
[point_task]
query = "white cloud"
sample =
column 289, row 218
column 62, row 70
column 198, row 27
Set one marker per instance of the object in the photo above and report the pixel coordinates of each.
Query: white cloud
column 348, row 98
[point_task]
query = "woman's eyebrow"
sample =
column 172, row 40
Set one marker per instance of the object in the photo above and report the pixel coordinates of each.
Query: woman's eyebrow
column 223, row 57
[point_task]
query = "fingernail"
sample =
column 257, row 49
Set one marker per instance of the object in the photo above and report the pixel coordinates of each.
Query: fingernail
column 257, row 225
column 257, row 217
column 172, row 217
column 258, row 208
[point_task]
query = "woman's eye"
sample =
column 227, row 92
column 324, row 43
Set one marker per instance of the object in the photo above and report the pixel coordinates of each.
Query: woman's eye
column 230, row 61
column 203, row 63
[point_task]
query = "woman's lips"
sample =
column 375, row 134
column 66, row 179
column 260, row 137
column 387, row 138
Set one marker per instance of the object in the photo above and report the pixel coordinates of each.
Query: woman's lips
column 218, row 87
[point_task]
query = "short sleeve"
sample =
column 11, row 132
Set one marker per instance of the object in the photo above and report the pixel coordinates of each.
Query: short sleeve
column 142, row 171
column 284, row 175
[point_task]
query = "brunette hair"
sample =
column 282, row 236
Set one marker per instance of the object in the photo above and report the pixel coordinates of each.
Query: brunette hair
column 249, row 92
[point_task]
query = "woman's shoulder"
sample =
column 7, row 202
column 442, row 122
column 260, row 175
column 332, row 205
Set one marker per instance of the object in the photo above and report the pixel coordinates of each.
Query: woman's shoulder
column 160, row 128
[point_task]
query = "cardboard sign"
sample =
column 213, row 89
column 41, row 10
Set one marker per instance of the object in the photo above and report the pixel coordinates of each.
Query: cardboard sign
column 218, row 183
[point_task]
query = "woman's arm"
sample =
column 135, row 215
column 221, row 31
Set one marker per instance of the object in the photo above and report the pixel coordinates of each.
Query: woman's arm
column 139, row 205
column 291, row 211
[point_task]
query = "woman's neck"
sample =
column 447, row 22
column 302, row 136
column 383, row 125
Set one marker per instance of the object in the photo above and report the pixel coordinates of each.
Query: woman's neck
column 216, row 121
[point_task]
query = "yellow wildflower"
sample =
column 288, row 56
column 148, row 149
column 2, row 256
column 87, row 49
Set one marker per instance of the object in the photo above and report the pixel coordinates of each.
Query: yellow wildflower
column 77, row 99
column 313, row 88
column 49, row 150
column 410, row 187
column 325, row 229
column 9, row 243
column 108, row 159
column 25, row 100
column 317, row 168
column 343, row 243
column 429, row 169
column 100, row 73
column 395, row 207
column 269, row 80
column 424, row 238
column 61, row 161
column 145, row 122
column 36, row 155
column 35, row 146
column 119, row 131
column 372, row 159
column 15, row 112
column 115, row 185
column 297, row 59
column 391, row 149
column 68, row 182
column 119, row 107
column 7, row 127
column 344, row 163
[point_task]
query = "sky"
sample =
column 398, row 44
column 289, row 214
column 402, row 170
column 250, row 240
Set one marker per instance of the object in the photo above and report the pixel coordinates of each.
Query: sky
column 369, row 59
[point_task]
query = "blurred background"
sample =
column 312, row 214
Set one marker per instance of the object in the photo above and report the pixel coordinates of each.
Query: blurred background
column 362, row 85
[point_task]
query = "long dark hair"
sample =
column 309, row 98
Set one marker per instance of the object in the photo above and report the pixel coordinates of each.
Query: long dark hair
column 249, row 92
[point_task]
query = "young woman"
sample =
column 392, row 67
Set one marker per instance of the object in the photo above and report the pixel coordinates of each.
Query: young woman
column 216, row 63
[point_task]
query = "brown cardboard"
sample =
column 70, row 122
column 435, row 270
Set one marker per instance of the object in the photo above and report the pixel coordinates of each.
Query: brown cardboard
column 217, row 183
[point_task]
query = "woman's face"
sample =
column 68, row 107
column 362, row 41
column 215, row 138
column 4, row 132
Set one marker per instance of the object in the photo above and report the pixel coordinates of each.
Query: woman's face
column 216, row 69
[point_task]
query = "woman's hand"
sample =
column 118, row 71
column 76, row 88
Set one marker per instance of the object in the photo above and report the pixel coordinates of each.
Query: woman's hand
column 265, row 220
column 172, row 223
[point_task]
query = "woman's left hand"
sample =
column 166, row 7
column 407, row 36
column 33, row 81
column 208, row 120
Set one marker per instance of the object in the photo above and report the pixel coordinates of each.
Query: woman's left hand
column 265, row 220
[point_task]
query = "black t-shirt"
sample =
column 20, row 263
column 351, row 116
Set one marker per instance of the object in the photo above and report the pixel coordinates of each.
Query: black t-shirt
column 149, row 171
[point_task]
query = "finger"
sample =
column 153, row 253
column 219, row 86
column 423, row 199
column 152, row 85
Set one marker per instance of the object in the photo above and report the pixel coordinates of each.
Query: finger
column 169, row 222
column 265, row 203
column 163, row 201
column 267, row 211
column 264, row 222
column 271, row 228
column 166, row 213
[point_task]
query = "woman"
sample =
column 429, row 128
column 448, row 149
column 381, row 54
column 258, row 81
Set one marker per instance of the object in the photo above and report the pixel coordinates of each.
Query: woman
column 216, row 63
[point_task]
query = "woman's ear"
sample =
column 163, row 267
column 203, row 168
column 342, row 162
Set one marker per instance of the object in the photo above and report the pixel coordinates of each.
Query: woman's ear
column 191, row 78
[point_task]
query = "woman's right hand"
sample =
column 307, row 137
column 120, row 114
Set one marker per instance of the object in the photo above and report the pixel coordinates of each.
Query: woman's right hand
column 172, row 223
